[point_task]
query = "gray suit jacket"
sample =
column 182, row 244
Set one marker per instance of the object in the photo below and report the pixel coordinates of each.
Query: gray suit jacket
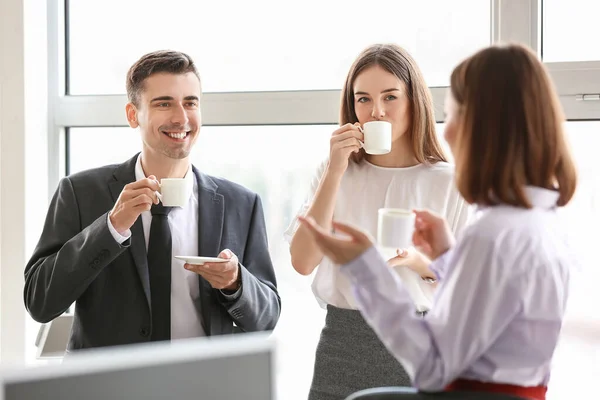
column 78, row 260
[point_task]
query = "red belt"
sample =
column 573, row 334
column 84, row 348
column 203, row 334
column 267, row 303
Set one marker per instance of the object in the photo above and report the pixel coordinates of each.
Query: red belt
column 527, row 392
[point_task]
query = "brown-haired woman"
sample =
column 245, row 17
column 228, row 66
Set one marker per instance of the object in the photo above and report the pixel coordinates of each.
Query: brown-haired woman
column 383, row 84
column 503, row 285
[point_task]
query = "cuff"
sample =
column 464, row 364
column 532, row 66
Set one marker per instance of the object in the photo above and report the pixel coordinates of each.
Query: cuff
column 116, row 235
column 439, row 265
column 235, row 295
column 366, row 266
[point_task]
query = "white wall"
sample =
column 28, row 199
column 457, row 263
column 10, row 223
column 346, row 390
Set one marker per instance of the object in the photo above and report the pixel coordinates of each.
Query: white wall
column 23, row 154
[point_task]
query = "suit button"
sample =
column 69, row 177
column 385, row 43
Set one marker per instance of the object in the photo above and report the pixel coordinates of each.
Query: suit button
column 144, row 332
column 103, row 255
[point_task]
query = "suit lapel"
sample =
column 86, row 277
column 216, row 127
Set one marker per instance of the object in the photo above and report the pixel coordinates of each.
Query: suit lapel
column 210, row 230
column 124, row 174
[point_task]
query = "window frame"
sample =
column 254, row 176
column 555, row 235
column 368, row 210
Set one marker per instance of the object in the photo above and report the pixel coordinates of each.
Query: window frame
column 511, row 20
column 311, row 107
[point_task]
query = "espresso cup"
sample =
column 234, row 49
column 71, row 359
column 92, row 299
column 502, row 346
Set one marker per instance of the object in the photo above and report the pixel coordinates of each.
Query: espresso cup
column 395, row 228
column 378, row 137
column 173, row 192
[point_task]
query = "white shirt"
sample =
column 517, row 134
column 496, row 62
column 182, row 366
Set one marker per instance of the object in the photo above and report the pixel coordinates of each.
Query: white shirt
column 498, row 309
column 364, row 189
column 186, row 314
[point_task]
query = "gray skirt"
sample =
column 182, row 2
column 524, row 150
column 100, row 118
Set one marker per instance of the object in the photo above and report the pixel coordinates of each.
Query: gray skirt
column 350, row 357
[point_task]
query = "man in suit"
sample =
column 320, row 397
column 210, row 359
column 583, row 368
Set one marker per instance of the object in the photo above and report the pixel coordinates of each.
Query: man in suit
column 108, row 243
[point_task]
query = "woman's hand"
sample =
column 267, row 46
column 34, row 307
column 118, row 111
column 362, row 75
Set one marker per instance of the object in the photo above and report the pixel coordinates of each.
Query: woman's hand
column 344, row 141
column 415, row 260
column 432, row 235
column 340, row 250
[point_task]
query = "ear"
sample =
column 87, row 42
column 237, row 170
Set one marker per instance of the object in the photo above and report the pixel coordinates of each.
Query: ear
column 132, row 117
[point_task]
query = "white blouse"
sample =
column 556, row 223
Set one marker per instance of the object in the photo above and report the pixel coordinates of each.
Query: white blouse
column 498, row 308
column 364, row 189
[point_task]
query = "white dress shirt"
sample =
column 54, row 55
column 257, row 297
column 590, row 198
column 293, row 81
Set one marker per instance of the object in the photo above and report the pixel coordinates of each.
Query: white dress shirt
column 186, row 316
column 498, row 309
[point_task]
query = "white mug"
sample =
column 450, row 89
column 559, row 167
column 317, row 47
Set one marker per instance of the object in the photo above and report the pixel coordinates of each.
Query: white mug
column 378, row 137
column 395, row 228
column 173, row 192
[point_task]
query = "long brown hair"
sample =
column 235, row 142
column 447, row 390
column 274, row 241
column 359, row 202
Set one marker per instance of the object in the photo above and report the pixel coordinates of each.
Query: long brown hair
column 397, row 61
column 510, row 129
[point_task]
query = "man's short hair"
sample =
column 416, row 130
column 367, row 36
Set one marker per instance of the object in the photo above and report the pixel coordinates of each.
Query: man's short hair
column 165, row 61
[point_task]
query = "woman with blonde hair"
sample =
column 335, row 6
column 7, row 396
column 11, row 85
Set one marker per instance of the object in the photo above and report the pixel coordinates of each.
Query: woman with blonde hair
column 503, row 286
column 383, row 84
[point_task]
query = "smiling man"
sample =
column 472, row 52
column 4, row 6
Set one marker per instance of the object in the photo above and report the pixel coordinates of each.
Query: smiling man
column 109, row 244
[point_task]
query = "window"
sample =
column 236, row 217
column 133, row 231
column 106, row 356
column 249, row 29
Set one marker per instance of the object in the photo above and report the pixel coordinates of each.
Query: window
column 582, row 212
column 280, row 174
column 304, row 48
column 570, row 30
column 580, row 343
column 264, row 45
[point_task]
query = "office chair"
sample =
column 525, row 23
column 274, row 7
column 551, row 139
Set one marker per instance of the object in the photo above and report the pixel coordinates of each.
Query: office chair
column 403, row 393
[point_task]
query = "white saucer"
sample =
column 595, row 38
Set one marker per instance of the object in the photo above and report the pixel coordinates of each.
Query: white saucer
column 200, row 260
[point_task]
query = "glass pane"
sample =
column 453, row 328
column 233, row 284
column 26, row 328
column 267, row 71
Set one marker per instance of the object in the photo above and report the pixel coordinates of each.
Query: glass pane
column 239, row 46
column 579, row 342
column 281, row 174
column 570, row 30
column 584, row 210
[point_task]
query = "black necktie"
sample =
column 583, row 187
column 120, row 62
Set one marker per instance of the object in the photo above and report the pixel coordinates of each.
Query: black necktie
column 159, row 267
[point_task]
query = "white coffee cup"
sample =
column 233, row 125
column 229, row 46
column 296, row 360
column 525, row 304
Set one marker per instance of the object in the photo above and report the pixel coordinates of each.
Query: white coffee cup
column 173, row 192
column 395, row 228
column 378, row 137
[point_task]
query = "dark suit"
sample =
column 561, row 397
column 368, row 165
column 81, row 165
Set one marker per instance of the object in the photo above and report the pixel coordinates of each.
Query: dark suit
column 78, row 260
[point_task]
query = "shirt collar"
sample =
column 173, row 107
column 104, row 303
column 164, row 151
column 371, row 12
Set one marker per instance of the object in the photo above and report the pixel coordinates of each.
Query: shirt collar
column 542, row 198
column 189, row 175
column 538, row 198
